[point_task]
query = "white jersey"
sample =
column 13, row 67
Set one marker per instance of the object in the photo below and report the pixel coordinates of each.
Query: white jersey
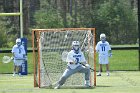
column 18, row 52
column 72, row 56
column 103, row 48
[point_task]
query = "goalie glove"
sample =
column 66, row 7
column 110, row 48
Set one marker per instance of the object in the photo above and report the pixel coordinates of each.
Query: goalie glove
column 74, row 61
column 87, row 66
column 110, row 55
column 26, row 58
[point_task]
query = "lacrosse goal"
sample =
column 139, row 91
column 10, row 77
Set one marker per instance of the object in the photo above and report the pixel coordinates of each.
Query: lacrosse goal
column 48, row 46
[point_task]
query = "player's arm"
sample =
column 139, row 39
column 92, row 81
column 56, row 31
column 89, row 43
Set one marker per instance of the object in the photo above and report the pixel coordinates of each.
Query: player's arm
column 13, row 52
column 24, row 54
column 110, row 51
column 25, row 57
column 13, row 55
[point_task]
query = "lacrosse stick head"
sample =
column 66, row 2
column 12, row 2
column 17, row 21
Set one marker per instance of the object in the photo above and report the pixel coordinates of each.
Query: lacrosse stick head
column 6, row 59
column 64, row 55
column 90, row 50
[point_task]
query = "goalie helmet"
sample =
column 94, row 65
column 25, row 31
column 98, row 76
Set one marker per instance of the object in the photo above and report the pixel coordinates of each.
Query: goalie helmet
column 102, row 37
column 76, row 46
column 18, row 41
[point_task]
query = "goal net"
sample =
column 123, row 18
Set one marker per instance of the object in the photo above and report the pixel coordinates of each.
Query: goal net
column 48, row 47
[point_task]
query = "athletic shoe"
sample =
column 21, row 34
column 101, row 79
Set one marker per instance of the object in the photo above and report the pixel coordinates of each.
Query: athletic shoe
column 87, row 83
column 107, row 74
column 98, row 74
column 20, row 74
column 13, row 74
column 57, row 87
column 87, row 86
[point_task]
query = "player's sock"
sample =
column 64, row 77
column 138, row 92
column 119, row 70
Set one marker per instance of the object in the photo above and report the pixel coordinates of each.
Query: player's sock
column 19, row 74
column 14, row 73
column 87, row 83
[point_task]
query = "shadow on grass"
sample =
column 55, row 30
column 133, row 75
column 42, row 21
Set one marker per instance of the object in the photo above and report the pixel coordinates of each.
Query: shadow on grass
column 103, row 86
column 70, row 87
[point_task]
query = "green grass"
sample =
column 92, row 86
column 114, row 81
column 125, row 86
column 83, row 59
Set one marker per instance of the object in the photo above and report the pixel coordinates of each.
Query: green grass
column 118, row 82
column 124, row 60
column 121, row 60
column 133, row 45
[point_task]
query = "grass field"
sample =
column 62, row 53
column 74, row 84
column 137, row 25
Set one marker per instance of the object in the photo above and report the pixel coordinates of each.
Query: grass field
column 118, row 82
column 121, row 60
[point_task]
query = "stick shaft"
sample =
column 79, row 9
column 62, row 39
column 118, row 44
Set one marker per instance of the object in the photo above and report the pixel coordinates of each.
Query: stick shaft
column 85, row 66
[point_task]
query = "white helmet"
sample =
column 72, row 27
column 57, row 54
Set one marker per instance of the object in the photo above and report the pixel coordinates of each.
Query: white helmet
column 102, row 36
column 76, row 45
column 18, row 40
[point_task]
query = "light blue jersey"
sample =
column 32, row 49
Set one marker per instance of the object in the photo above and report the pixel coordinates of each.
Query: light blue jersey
column 103, row 48
column 18, row 52
column 73, row 57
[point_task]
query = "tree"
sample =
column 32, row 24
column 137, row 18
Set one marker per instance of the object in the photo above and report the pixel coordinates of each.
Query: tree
column 118, row 21
column 48, row 17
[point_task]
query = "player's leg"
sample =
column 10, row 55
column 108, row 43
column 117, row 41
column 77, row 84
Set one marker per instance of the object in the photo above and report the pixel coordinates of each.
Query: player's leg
column 107, row 66
column 19, row 67
column 67, row 73
column 15, row 68
column 107, row 69
column 19, row 70
column 101, row 59
column 87, row 75
column 100, row 70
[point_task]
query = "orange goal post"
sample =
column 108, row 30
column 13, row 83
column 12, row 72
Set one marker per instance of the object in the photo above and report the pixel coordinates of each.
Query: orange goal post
column 48, row 48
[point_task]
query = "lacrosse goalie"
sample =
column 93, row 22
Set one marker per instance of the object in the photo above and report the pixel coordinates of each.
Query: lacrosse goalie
column 104, row 50
column 19, row 56
column 75, row 59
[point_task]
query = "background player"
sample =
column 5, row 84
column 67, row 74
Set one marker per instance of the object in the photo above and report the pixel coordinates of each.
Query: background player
column 74, row 58
column 19, row 56
column 104, row 50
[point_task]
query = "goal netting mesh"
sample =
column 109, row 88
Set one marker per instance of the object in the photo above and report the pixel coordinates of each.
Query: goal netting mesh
column 48, row 46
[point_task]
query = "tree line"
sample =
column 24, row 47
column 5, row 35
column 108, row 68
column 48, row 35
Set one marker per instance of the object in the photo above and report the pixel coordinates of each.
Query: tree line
column 116, row 18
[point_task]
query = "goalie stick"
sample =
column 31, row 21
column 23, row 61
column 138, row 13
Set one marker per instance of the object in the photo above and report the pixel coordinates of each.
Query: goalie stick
column 86, row 66
column 87, row 49
column 7, row 59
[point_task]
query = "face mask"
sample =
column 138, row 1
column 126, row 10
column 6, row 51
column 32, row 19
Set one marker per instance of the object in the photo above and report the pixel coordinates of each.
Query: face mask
column 18, row 43
column 103, row 40
column 76, row 48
